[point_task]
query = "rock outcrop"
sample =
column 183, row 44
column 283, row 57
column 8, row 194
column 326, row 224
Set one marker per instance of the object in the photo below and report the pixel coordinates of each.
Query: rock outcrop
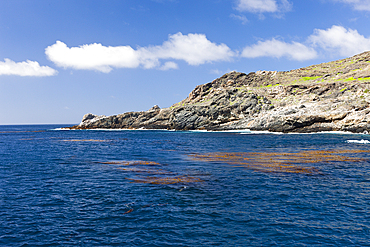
column 331, row 96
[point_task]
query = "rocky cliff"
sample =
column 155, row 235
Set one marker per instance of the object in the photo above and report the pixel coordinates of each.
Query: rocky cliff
column 331, row 96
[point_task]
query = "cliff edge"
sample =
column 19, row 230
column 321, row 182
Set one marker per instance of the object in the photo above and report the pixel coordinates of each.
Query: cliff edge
column 330, row 96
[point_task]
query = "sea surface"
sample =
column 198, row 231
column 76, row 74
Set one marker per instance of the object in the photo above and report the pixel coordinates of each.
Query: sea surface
column 182, row 188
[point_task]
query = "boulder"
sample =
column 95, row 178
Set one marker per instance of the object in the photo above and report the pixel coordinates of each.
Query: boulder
column 88, row 116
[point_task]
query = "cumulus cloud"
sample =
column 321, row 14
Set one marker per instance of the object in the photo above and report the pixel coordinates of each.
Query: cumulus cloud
column 195, row 49
column 261, row 6
column 357, row 4
column 337, row 39
column 92, row 57
column 27, row 68
column 276, row 48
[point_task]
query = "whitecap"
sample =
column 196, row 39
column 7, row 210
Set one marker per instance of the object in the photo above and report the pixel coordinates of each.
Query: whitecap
column 359, row 141
column 61, row 129
column 257, row 132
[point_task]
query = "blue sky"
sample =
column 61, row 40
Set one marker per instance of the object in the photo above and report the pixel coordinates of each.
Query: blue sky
column 62, row 59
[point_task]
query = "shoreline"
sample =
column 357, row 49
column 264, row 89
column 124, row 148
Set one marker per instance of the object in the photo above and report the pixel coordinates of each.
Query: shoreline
column 242, row 131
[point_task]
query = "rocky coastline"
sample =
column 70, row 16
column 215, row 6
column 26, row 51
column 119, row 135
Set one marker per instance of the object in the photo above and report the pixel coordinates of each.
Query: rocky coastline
column 331, row 96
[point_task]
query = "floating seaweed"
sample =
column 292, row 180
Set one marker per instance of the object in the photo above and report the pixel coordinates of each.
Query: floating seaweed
column 166, row 180
column 280, row 162
column 129, row 211
column 150, row 172
column 132, row 163
column 84, row 140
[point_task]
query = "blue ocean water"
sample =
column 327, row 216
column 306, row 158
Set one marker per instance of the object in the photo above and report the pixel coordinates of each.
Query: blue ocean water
column 166, row 188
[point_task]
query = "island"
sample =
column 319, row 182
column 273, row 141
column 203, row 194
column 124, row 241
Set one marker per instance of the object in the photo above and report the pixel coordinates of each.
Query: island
column 331, row 96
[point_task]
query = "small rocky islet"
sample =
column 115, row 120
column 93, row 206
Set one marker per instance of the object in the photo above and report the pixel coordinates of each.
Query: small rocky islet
column 330, row 96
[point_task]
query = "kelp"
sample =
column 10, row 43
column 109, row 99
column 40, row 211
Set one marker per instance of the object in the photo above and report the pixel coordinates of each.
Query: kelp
column 129, row 211
column 84, row 140
column 166, row 180
column 280, row 162
column 132, row 163
column 151, row 173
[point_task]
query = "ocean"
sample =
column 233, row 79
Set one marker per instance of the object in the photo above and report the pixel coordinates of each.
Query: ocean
column 182, row 188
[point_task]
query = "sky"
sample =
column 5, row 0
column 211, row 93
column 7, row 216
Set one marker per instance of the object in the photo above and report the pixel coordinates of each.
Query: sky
column 61, row 59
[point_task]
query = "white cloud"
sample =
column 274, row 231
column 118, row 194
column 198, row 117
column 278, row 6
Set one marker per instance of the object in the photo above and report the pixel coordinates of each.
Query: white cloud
column 241, row 18
column 195, row 49
column 92, row 57
column 257, row 5
column 261, row 6
column 337, row 39
column 357, row 4
column 169, row 65
column 27, row 68
column 276, row 48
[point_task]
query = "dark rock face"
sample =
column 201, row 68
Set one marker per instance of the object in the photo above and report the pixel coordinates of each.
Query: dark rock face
column 332, row 96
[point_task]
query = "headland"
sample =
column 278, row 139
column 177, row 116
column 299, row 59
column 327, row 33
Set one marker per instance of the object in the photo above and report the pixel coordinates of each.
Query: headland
column 330, row 96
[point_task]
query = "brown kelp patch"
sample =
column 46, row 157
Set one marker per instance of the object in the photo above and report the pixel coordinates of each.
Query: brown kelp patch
column 280, row 161
column 132, row 163
column 150, row 172
column 166, row 180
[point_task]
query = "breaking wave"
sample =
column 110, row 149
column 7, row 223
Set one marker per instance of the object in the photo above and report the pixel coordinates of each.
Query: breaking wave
column 359, row 141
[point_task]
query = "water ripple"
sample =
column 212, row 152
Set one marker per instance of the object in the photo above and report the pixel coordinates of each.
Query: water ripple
column 70, row 188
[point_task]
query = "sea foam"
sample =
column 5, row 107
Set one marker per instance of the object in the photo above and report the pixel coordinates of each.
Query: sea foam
column 359, row 141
